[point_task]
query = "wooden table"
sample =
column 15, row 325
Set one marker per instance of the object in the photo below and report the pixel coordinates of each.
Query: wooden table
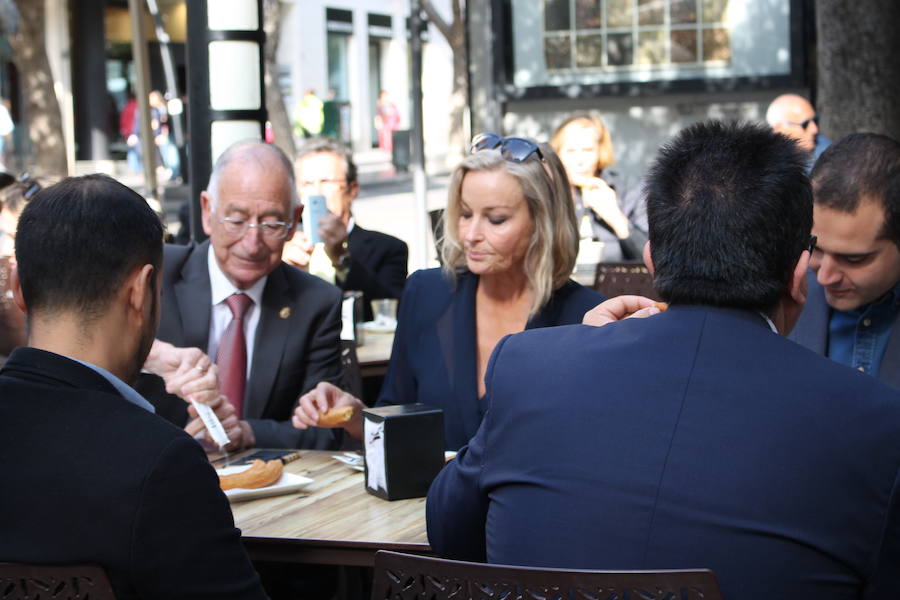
column 375, row 353
column 333, row 521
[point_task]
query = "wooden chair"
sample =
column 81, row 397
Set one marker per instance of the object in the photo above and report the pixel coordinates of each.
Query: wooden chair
column 616, row 279
column 409, row 577
column 54, row 582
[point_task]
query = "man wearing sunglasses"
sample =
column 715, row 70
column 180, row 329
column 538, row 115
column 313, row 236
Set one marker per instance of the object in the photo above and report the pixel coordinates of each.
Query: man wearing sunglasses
column 853, row 308
column 795, row 117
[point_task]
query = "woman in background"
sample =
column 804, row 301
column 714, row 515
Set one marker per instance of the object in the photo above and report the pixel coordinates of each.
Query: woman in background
column 509, row 249
column 606, row 211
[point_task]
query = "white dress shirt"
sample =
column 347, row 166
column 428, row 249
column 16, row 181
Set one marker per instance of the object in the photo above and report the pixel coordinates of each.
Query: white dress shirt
column 221, row 316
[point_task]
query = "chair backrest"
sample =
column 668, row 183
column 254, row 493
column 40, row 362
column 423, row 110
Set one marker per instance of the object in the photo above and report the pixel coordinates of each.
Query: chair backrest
column 420, row 577
column 616, row 279
column 57, row 582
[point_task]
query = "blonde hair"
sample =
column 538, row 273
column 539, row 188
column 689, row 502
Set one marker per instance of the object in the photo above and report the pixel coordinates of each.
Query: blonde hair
column 605, row 156
column 553, row 247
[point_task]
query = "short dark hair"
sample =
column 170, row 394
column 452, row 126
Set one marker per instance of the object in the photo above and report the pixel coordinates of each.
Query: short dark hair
column 861, row 166
column 79, row 239
column 730, row 212
column 323, row 144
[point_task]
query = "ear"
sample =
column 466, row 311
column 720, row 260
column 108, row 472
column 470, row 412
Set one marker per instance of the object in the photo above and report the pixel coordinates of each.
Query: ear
column 141, row 289
column 798, row 279
column 16, row 285
column 353, row 190
column 648, row 260
column 206, row 211
column 295, row 219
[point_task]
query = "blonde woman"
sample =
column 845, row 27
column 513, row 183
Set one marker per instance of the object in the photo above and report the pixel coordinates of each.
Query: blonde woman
column 509, row 248
column 614, row 215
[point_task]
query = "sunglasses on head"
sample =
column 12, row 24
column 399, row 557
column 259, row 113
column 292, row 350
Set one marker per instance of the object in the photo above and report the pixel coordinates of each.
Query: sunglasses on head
column 513, row 149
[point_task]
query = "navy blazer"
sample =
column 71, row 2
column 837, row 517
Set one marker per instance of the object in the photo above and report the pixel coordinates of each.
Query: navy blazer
column 378, row 266
column 90, row 478
column 434, row 355
column 694, row 438
column 811, row 332
column 297, row 342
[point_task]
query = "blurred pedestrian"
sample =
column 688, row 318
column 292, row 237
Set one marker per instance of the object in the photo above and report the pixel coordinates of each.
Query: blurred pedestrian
column 387, row 120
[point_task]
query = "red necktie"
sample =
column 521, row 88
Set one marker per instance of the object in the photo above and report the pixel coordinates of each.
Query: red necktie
column 232, row 355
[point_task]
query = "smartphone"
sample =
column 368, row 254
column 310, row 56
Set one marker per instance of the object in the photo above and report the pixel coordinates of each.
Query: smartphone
column 314, row 210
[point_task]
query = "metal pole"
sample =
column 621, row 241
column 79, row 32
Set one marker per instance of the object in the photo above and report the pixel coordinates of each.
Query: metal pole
column 165, row 54
column 420, row 180
column 142, row 67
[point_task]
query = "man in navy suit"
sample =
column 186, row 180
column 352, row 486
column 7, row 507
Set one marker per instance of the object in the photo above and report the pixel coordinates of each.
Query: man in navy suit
column 699, row 437
column 371, row 262
column 90, row 474
column 853, row 309
column 292, row 325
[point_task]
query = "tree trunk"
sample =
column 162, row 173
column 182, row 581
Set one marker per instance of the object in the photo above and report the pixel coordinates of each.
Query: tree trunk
column 45, row 128
column 858, row 67
column 455, row 34
column 278, row 116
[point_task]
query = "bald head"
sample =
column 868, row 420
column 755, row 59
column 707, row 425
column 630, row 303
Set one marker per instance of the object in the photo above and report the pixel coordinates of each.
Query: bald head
column 255, row 153
column 793, row 115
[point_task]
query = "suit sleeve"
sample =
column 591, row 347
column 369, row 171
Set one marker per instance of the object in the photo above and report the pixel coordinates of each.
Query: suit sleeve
column 400, row 386
column 323, row 363
column 384, row 279
column 184, row 542
column 457, row 505
column 885, row 580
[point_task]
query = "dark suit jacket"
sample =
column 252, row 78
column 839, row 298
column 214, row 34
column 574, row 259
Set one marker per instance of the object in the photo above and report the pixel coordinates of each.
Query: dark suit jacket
column 297, row 341
column 695, row 438
column 812, row 332
column 378, row 266
column 90, row 478
column 434, row 354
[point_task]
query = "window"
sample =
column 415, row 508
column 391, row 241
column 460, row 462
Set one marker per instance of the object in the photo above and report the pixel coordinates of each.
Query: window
column 557, row 43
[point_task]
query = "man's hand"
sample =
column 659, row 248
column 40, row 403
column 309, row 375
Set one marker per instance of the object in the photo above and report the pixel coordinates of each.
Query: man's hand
column 297, row 251
column 187, row 372
column 618, row 308
column 322, row 398
column 333, row 234
column 240, row 434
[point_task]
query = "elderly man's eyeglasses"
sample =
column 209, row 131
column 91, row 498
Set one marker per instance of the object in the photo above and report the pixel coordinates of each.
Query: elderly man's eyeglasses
column 270, row 230
column 804, row 124
column 513, row 149
column 322, row 183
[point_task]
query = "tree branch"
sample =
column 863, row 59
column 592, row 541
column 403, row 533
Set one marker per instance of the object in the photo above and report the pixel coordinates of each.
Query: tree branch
column 438, row 20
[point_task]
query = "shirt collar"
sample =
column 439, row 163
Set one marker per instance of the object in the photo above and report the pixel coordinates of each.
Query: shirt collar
column 350, row 224
column 126, row 390
column 222, row 288
column 769, row 321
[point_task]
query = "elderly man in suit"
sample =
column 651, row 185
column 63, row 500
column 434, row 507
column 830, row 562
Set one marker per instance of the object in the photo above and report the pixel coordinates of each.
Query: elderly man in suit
column 90, row 475
column 272, row 329
column 371, row 262
column 699, row 437
column 853, row 309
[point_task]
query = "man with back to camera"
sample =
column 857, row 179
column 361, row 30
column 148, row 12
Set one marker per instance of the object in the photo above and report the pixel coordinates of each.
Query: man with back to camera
column 795, row 117
column 854, row 283
column 90, row 474
column 699, row 437
column 371, row 262
column 290, row 319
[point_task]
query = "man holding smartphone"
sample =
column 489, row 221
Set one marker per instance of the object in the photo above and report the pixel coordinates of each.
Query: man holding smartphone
column 368, row 261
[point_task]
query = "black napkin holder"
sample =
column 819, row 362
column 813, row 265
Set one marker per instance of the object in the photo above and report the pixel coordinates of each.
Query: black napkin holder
column 404, row 447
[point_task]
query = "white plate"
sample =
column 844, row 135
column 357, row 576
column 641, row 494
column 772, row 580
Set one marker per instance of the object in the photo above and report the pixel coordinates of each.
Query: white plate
column 288, row 484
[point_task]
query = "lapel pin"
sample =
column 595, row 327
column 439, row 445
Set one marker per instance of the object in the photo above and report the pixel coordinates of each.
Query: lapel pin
column 285, row 312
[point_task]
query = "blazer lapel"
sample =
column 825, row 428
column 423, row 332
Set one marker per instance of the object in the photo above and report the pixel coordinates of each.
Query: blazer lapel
column 889, row 372
column 359, row 243
column 271, row 337
column 812, row 328
column 193, row 295
column 456, row 333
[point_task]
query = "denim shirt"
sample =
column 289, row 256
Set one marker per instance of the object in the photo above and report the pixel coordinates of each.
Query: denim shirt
column 858, row 338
